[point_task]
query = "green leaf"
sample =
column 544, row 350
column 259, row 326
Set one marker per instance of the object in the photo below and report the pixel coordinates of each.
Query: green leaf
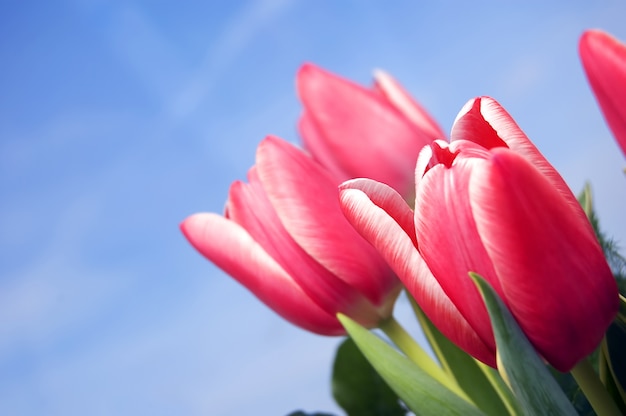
column 613, row 348
column 610, row 247
column 301, row 413
column 573, row 392
column 416, row 353
column 358, row 388
column 481, row 383
column 422, row 394
column 533, row 385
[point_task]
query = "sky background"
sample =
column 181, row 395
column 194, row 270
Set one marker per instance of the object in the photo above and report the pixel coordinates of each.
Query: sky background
column 119, row 119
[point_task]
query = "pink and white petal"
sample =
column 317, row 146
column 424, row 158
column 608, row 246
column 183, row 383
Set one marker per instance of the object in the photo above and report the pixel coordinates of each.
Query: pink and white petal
column 449, row 241
column 442, row 152
column 314, row 143
column 403, row 102
column 398, row 249
column 305, row 197
column 604, row 60
column 250, row 208
column 231, row 248
column 484, row 121
column 551, row 267
column 388, row 199
column 368, row 137
column 515, row 138
column 423, row 161
column 470, row 124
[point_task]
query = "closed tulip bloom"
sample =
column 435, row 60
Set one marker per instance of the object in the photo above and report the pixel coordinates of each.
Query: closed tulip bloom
column 491, row 205
column 604, row 60
column 359, row 132
column 284, row 237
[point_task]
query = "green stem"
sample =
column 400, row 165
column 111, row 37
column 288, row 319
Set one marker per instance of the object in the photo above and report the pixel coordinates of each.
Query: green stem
column 416, row 353
column 594, row 390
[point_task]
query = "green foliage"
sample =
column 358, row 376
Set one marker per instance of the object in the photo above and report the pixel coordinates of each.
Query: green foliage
column 481, row 383
column 573, row 392
column 532, row 384
column 610, row 247
column 613, row 363
column 421, row 393
column 358, row 388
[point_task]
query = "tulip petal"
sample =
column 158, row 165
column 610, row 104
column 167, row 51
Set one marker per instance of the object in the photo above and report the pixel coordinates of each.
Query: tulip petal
column 470, row 124
column 484, row 121
column 315, row 144
column 306, row 199
column 388, row 236
column 232, row 249
column 402, row 100
column 367, row 136
column 423, row 161
column 447, row 235
column 541, row 249
column 388, row 199
column 249, row 207
column 604, row 60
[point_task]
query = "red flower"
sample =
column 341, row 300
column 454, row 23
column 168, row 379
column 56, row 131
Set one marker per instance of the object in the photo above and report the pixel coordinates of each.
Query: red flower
column 284, row 237
column 604, row 60
column 358, row 132
column 490, row 203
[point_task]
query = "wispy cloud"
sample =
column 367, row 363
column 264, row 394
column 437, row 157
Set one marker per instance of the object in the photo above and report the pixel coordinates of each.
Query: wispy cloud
column 223, row 51
column 146, row 50
column 55, row 292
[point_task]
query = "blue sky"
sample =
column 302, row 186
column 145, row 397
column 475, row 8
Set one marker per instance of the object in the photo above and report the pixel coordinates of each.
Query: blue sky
column 119, row 119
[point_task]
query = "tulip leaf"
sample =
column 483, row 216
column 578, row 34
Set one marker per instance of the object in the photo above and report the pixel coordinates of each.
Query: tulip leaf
column 613, row 347
column 573, row 392
column 523, row 370
column 416, row 353
column 421, row 393
column 482, row 384
column 358, row 388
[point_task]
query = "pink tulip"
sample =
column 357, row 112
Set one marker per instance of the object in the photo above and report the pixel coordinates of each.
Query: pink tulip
column 604, row 60
column 284, row 237
column 489, row 202
column 358, row 132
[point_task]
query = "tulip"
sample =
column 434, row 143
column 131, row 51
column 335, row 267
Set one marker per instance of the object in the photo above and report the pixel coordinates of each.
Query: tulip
column 604, row 60
column 284, row 237
column 359, row 132
column 491, row 204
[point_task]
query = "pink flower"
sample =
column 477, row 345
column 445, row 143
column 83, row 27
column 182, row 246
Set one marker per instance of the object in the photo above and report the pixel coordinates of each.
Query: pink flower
column 604, row 60
column 284, row 237
column 490, row 203
column 358, row 132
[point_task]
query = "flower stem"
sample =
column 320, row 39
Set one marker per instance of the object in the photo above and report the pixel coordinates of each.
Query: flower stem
column 416, row 354
column 600, row 400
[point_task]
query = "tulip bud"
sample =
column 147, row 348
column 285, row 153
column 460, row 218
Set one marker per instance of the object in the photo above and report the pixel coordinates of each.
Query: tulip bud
column 285, row 238
column 489, row 203
column 358, row 132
